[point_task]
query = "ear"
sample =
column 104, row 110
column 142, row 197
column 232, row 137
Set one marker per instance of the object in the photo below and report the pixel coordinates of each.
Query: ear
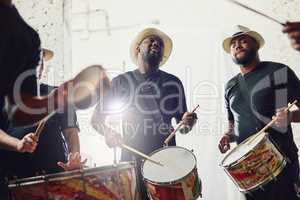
column 256, row 45
column 137, row 48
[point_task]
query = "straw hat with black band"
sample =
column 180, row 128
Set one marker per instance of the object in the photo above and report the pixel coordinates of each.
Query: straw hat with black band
column 242, row 30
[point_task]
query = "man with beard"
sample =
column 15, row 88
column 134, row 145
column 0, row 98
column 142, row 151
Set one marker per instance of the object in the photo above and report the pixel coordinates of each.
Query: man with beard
column 252, row 97
column 147, row 99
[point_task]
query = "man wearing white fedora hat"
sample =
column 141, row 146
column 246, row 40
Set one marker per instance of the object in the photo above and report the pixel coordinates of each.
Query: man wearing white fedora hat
column 252, row 97
column 148, row 98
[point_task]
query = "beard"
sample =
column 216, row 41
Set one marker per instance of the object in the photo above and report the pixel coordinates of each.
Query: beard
column 152, row 58
column 249, row 56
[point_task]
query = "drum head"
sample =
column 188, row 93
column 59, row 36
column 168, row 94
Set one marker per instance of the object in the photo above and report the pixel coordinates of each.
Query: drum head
column 178, row 162
column 242, row 149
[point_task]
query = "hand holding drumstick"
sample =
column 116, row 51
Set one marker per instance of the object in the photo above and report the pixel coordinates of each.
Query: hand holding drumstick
column 114, row 139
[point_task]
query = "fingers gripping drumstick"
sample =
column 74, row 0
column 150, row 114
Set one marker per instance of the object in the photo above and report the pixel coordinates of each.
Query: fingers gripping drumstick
column 177, row 128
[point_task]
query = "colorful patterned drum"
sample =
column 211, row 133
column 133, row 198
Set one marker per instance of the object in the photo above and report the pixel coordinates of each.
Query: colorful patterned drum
column 177, row 179
column 101, row 183
column 253, row 163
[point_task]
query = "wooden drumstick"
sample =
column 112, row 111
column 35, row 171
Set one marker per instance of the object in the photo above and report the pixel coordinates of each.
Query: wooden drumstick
column 39, row 129
column 257, row 12
column 179, row 125
column 140, row 154
column 42, row 124
column 272, row 122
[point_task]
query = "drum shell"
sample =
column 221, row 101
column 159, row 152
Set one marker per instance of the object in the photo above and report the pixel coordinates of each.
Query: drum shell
column 257, row 167
column 101, row 183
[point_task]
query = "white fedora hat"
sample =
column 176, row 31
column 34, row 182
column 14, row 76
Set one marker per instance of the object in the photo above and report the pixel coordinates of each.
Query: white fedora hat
column 168, row 44
column 242, row 30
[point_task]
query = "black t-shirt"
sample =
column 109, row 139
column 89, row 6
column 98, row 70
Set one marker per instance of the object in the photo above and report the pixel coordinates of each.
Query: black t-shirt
column 51, row 147
column 252, row 100
column 19, row 50
column 147, row 103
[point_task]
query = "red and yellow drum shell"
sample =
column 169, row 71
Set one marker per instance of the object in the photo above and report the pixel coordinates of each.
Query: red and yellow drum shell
column 102, row 183
column 257, row 167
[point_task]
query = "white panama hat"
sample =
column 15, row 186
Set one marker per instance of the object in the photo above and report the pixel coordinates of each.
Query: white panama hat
column 168, row 44
column 242, row 30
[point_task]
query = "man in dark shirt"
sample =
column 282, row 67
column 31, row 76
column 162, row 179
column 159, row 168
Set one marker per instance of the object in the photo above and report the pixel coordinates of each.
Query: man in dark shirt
column 58, row 138
column 19, row 51
column 147, row 98
column 262, row 90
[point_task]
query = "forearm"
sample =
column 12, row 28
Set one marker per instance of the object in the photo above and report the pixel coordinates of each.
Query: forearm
column 72, row 140
column 102, row 128
column 6, row 2
column 230, row 131
column 30, row 109
column 7, row 142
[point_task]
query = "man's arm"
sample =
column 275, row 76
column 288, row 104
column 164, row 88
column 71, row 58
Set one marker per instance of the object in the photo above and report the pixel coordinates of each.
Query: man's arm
column 6, row 2
column 112, row 138
column 293, row 31
column 27, row 144
column 72, row 139
column 228, row 137
column 66, row 94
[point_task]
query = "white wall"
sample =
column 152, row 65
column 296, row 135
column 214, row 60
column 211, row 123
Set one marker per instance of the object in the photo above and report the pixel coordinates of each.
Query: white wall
column 47, row 18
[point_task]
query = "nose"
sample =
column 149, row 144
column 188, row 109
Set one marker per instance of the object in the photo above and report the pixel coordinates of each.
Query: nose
column 237, row 45
column 155, row 43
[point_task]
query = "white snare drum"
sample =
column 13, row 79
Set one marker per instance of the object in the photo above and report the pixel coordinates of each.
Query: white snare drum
column 253, row 163
column 177, row 179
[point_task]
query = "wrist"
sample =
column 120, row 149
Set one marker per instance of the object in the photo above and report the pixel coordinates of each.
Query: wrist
column 230, row 136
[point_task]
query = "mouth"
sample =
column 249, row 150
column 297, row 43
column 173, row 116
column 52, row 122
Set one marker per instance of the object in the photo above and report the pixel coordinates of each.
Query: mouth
column 155, row 49
column 240, row 52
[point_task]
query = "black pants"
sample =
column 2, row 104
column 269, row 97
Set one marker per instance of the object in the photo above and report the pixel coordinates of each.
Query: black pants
column 4, row 192
column 280, row 189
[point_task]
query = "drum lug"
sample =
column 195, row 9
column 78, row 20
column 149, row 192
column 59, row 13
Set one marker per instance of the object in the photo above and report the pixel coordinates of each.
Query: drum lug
column 192, row 150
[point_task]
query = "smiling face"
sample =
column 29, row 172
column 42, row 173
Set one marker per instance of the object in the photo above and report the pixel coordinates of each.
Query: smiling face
column 243, row 49
column 151, row 50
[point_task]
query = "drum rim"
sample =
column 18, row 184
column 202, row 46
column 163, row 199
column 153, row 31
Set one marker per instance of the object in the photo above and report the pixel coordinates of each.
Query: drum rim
column 245, row 155
column 169, row 182
column 68, row 174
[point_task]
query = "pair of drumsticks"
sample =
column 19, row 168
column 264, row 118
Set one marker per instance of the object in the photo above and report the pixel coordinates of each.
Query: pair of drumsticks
column 133, row 150
column 179, row 125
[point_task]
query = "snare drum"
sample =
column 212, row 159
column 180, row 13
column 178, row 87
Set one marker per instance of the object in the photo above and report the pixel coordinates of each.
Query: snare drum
column 254, row 163
column 177, row 179
column 101, row 183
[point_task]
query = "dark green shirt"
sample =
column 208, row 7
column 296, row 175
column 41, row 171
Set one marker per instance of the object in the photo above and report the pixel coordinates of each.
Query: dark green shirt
column 252, row 100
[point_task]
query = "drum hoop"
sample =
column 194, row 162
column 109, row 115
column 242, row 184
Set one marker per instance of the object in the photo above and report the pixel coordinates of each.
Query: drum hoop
column 169, row 182
column 70, row 174
column 268, row 180
column 245, row 155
